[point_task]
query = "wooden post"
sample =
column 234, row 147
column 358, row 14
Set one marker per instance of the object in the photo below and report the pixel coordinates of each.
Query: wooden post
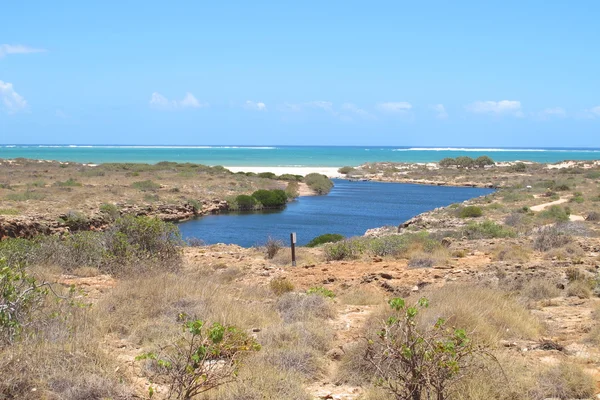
column 293, row 245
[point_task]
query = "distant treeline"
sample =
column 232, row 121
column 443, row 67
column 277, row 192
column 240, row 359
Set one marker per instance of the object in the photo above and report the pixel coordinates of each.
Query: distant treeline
column 466, row 162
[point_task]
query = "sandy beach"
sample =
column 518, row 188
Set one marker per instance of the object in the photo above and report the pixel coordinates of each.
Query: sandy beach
column 331, row 172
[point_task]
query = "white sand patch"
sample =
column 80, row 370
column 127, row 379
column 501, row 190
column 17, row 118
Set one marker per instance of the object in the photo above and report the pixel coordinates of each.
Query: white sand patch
column 331, row 172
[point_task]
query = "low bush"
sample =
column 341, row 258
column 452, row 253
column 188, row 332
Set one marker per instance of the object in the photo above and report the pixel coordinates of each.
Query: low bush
column 75, row 220
column 321, row 184
column 592, row 216
column 266, row 175
column 579, row 288
column 245, row 202
column 470, row 212
column 551, row 237
column 325, row 238
column 300, row 307
column 9, row 211
column 68, row 183
column 346, row 170
column 292, row 190
column 486, row 230
column 421, row 262
column 146, row 186
column 321, row 291
column 188, row 364
column 564, row 381
column 26, row 195
column 539, row 289
column 280, row 286
column 510, row 252
column 272, row 247
column 343, row 250
column 270, row 198
column 110, row 210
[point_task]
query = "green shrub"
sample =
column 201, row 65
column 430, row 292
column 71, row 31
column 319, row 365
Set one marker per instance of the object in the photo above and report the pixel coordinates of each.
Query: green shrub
column 517, row 167
column 321, row 291
column 9, row 211
column 483, row 161
column 343, row 250
column 555, row 213
column 196, row 205
column 486, row 230
column 577, row 198
column 470, row 212
column 592, row 216
column 75, row 220
column 290, row 178
column 110, row 210
column 20, row 295
column 325, row 238
column 267, row 175
column 346, row 170
column 146, row 186
column 245, row 202
column 24, row 196
column 68, row 183
column 188, row 364
column 447, row 162
column 593, row 174
column 321, row 184
column 292, row 190
column 271, row 198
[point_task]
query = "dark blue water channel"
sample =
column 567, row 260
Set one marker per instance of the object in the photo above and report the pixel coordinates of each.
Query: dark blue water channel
column 349, row 209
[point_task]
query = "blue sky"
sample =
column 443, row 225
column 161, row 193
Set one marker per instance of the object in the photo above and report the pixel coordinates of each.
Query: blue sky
column 468, row 73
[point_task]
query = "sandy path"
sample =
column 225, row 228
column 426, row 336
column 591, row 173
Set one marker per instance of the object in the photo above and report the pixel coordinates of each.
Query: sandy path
column 541, row 207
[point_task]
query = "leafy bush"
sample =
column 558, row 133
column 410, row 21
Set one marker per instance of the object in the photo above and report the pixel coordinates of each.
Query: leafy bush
column 483, row 161
column 201, row 360
column 321, row 291
column 410, row 362
column 292, row 190
column 346, row 170
column 555, row 213
column 271, row 198
column 146, row 186
column 290, row 177
column 486, row 230
column 110, row 210
column 325, row 238
column 517, row 167
column 267, row 175
column 245, row 202
column 470, row 212
column 20, row 295
column 321, row 184
column 342, row 250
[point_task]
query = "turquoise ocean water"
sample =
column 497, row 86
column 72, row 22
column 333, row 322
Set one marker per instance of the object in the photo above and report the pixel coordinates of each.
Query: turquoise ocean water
column 291, row 156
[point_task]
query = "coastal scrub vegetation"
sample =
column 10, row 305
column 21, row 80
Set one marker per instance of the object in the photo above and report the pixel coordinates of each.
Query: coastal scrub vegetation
column 325, row 238
column 319, row 183
column 466, row 162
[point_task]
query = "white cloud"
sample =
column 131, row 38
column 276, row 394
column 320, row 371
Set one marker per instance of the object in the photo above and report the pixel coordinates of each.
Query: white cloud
column 502, row 107
column 557, row 112
column 323, row 105
column 6, row 49
column 395, row 106
column 255, row 105
column 159, row 101
column 13, row 102
column 352, row 108
column 190, row 101
column 594, row 111
column 441, row 111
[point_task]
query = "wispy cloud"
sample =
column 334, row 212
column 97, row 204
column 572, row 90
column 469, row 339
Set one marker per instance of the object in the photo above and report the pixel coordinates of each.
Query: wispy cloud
column 323, row 105
column 6, row 49
column 502, row 107
column 552, row 112
column 12, row 101
column 593, row 112
column 440, row 110
column 255, row 105
column 395, row 106
column 159, row 101
column 354, row 109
